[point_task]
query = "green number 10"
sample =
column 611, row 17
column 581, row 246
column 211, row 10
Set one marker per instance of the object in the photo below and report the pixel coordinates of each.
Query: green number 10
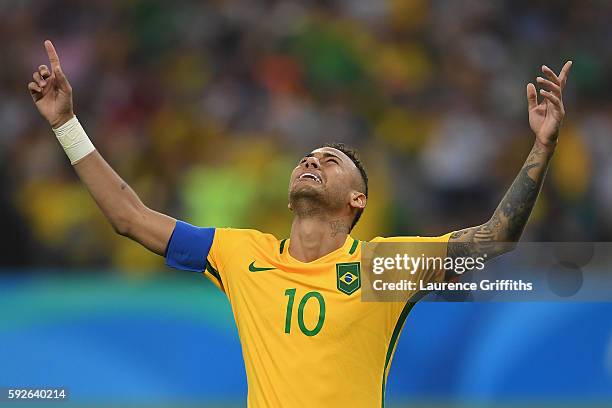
column 307, row 296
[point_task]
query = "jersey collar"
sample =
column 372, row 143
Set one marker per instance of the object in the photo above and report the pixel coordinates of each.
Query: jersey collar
column 348, row 248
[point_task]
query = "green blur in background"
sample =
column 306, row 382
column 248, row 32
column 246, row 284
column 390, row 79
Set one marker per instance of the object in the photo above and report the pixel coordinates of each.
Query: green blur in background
column 205, row 107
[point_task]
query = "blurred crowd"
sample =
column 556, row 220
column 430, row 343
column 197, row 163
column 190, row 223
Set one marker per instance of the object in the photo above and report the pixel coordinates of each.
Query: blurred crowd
column 204, row 108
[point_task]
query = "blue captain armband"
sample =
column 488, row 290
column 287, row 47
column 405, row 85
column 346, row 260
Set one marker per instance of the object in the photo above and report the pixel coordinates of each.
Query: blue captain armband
column 188, row 247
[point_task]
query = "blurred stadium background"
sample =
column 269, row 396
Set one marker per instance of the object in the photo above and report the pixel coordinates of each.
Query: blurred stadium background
column 204, row 107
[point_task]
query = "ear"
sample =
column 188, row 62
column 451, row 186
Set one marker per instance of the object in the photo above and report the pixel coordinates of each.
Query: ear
column 358, row 200
column 289, row 206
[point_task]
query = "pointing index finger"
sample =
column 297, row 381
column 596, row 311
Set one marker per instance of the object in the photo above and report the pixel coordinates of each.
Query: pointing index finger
column 52, row 54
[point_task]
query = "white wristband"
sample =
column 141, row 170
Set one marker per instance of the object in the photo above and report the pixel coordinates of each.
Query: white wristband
column 74, row 140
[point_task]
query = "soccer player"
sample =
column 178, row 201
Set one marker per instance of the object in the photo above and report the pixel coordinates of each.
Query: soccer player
column 307, row 338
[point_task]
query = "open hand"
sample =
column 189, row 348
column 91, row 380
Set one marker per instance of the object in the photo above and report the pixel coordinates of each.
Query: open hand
column 51, row 92
column 546, row 117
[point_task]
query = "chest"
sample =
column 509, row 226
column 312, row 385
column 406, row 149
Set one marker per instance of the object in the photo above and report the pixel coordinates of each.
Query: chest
column 307, row 300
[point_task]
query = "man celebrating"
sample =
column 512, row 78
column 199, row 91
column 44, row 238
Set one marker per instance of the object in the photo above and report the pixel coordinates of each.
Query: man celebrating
column 307, row 338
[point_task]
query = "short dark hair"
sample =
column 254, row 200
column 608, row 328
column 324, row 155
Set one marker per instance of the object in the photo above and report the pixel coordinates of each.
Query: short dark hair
column 354, row 156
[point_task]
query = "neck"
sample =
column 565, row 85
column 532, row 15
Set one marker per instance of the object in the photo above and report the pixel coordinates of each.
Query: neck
column 316, row 236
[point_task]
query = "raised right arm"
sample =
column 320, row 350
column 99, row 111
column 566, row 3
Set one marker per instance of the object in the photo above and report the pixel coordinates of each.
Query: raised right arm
column 52, row 95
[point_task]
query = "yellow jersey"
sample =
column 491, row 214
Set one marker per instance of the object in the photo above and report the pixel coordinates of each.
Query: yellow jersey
column 307, row 338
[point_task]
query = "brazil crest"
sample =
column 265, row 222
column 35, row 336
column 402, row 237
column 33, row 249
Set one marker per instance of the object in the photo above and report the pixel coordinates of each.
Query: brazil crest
column 348, row 277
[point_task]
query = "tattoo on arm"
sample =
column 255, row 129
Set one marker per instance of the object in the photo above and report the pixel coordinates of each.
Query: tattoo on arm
column 510, row 217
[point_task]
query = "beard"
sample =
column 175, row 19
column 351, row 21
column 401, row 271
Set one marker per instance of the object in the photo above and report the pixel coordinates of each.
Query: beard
column 307, row 201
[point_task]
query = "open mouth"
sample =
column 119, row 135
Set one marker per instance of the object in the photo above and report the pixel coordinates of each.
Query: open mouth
column 311, row 176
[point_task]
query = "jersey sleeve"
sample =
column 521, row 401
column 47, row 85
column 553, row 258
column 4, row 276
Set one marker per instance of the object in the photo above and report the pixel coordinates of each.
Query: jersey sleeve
column 228, row 242
column 434, row 247
column 420, row 246
column 211, row 251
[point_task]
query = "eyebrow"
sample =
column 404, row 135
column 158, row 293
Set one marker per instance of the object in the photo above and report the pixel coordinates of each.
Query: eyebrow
column 325, row 154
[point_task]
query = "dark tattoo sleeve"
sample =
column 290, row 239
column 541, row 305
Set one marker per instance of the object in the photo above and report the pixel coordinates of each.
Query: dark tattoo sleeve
column 510, row 217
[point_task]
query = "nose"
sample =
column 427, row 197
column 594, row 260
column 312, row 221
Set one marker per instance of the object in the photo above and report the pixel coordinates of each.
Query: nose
column 312, row 162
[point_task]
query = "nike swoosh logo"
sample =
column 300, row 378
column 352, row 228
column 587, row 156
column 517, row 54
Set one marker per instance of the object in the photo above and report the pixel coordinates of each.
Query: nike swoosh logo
column 253, row 268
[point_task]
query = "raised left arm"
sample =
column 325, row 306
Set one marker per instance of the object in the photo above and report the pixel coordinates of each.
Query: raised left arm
column 511, row 215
